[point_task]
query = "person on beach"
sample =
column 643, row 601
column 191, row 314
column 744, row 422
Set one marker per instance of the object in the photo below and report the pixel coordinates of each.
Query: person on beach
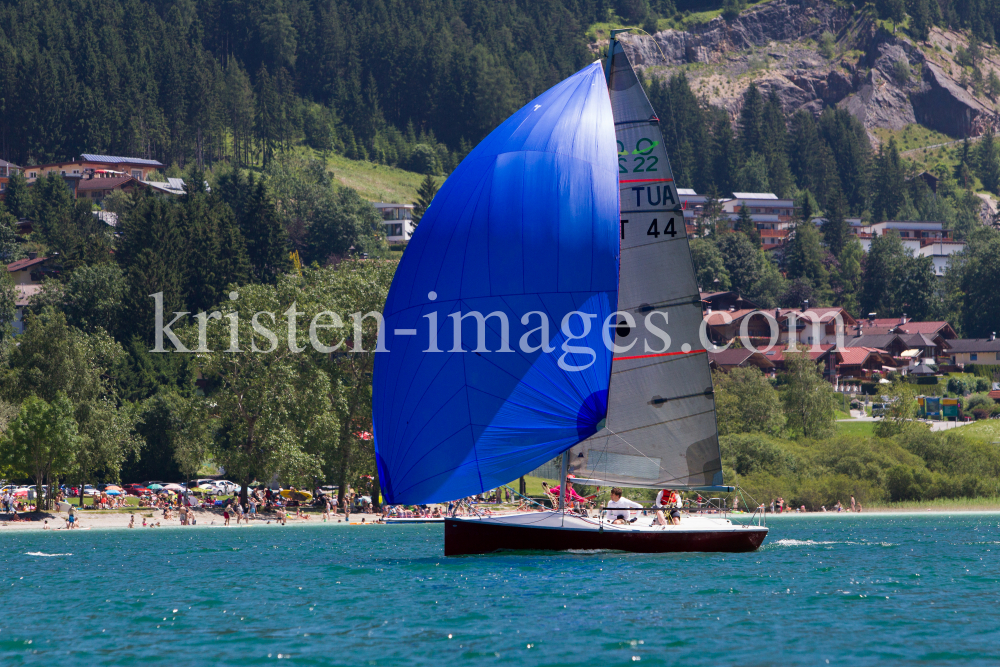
column 854, row 505
column 326, row 508
column 347, row 510
column 225, row 515
column 131, row 521
column 614, row 513
column 70, row 518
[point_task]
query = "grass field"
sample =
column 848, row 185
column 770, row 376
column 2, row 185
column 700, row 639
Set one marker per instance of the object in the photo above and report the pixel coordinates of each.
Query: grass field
column 855, row 428
column 939, row 505
column 985, row 429
column 912, row 136
column 375, row 182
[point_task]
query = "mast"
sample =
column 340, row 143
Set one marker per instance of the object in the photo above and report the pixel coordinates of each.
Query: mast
column 660, row 429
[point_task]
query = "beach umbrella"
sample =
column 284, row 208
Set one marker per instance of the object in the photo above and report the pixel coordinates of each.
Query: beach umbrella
column 21, row 493
column 154, row 487
column 112, row 492
column 174, row 487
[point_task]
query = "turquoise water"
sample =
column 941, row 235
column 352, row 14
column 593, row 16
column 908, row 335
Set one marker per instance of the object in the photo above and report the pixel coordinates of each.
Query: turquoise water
column 851, row 590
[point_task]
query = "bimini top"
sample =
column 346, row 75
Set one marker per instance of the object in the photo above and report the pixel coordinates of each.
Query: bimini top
column 527, row 223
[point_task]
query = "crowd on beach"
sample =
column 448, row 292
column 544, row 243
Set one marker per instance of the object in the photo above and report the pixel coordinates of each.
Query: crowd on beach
column 780, row 506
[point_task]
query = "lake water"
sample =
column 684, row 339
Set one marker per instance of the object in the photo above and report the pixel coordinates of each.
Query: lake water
column 848, row 590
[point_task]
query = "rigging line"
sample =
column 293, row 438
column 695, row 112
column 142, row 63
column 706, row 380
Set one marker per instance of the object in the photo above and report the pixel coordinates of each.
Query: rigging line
column 654, row 43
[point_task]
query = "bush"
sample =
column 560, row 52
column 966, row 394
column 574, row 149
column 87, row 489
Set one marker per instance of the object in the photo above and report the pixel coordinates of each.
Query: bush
column 982, row 384
column 748, row 453
column 901, row 70
column 927, row 380
column 827, row 45
column 957, row 386
column 900, row 483
column 981, row 413
column 424, row 160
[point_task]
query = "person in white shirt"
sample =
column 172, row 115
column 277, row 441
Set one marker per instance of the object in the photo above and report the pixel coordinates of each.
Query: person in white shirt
column 619, row 508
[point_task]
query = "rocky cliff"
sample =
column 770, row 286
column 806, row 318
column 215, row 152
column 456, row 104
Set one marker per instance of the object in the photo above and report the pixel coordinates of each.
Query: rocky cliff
column 885, row 80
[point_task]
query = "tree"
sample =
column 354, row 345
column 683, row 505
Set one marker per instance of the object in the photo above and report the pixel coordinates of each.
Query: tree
column 741, row 259
column 804, row 258
column 42, row 442
column 8, row 311
column 18, row 197
column 988, row 161
column 268, row 399
column 91, row 299
column 836, row 231
column 10, row 244
column 993, row 85
column 266, row 238
column 753, row 176
column 978, row 282
column 355, row 287
column 920, row 13
column 745, row 402
column 807, row 398
column 891, row 10
column 751, row 124
column 425, row 195
column 901, row 409
column 889, row 183
column 709, row 266
column 746, row 225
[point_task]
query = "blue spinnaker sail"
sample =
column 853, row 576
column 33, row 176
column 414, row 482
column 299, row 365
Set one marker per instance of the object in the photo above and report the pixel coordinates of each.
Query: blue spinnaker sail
column 526, row 229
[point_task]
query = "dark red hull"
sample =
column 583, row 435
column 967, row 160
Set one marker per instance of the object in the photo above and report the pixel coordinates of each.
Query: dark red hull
column 463, row 538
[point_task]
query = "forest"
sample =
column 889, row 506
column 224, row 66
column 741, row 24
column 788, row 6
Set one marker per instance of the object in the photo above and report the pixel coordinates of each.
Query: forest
column 245, row 99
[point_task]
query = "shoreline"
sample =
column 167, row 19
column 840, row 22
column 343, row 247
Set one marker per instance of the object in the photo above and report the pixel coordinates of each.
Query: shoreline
column 118, row 520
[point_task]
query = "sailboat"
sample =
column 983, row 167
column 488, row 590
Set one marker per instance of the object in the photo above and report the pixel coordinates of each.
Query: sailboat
column 546, row 306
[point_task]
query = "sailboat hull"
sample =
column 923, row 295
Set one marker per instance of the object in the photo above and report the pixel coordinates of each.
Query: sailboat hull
column 550, row 531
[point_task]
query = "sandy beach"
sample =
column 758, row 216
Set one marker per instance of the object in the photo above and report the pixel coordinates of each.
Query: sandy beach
column 210, row 519
column 205, row 519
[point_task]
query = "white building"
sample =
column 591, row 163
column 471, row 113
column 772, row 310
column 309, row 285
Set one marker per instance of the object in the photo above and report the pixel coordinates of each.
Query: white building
column 397, row 220
column 940, row 251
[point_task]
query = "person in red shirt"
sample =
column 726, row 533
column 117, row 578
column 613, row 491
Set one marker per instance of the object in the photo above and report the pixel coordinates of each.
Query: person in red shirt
column 572, row 497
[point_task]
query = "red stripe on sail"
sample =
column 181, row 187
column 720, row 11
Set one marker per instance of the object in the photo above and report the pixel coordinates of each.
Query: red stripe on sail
column 663, row 354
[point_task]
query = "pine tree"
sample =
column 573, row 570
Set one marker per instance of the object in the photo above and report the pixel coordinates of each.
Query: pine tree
column 836, row 231
column 18, row 197
column 889, row 183
column 723, row 160
column 775, row 140
column 746, row 224
column 920, row 12
column 425, row 194
column 804, row 259
column 988, row 161
column 751, row 123
column 10, row 245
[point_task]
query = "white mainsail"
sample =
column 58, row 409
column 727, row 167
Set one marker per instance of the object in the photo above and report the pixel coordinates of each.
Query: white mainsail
column 660, row 429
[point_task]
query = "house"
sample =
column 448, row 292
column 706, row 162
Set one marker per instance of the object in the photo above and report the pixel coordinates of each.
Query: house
column 727, row 360
column 22, row 298
column 7, row 169
column 27, row 275
column 913, row 234
column 940, row 252
column 913, row 334
column 89, row 164
column 725, row 301
column 965, row 351
column 397, row 220
column 172, row 186
column 28, row 271
column 822, row 354
column 725, row 325
column 814, row 326
column 862, row 362
column 772, row 216
column 96, row 189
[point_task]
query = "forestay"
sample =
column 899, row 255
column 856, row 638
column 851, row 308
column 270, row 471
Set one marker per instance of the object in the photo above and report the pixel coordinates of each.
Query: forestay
column 661, row 429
